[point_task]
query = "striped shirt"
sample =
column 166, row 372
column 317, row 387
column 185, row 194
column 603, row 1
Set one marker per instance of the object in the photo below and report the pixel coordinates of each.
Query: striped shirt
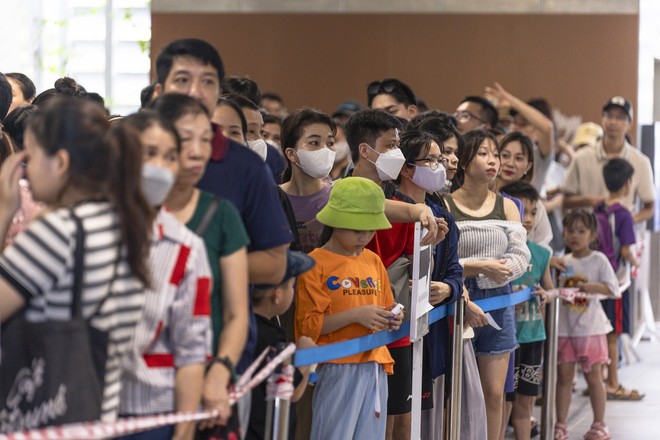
column 39, row 265
column 175, row 327
column 491, row 237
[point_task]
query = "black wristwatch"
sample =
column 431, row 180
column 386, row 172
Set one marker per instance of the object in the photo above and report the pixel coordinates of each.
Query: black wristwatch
column 228, row 364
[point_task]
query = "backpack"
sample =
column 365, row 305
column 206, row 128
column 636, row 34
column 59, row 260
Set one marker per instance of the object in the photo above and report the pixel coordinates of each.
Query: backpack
column 610, row 245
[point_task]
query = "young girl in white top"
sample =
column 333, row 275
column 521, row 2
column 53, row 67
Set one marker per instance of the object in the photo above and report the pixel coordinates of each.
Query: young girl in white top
column 583, row 325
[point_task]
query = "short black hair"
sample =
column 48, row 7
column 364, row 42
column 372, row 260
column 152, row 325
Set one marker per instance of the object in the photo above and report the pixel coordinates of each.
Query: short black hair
column 367, row 125
column 174, row 106
column 270, row 119
column 242, row 86
column 272, row 96
column 439, row 117
column 488, row 111
column 15, row 123
column 243, row 101
column 27, row 86
column 542, row 105
column 147, row 95
column 194, row 47
column 617, row 172
column 440, row 124
column 393, row 87
column 5, row 96
column 521, row 190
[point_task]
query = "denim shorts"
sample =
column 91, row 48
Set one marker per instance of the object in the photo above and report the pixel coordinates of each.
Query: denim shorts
column 487, row 340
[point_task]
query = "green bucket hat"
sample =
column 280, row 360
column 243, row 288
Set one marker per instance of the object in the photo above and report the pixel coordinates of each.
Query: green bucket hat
column 355, row 203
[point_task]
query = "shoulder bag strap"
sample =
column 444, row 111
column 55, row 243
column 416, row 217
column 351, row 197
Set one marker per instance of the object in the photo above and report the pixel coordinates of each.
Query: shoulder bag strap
column 78, row 268
column 208, row 216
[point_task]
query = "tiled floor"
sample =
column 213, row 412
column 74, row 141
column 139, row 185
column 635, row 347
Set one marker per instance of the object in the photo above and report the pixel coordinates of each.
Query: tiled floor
column 626, row 420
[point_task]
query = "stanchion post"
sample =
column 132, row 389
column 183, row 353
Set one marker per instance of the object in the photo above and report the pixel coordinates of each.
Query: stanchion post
column 277, row 409
column 550, row 370
column 453, row 430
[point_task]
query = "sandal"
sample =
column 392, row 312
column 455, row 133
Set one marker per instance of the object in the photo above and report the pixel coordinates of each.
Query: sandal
column 561, row 431
column 536, row 427
column 598, row 431
column 623, row 394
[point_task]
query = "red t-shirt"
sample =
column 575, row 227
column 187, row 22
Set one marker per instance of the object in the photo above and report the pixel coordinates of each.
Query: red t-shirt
column 390, row 244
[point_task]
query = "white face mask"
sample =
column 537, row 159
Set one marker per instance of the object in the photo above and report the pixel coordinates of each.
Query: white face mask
column 430, row 180
column 316, row 163
column 156, row 183
column 389, row 164
column 342, row 149
column 260, row 147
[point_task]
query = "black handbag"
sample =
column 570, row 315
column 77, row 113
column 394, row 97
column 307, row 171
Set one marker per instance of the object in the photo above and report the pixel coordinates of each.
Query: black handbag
column 53, row 372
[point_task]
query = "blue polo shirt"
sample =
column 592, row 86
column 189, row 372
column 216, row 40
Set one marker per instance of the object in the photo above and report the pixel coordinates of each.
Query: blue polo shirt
column 238, row 174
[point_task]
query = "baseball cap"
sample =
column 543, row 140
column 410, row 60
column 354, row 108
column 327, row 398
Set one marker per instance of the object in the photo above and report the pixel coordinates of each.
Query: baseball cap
column 297, row 263
column 355, row 203
column 587, row 134
column 622, row 103
column 347, row 108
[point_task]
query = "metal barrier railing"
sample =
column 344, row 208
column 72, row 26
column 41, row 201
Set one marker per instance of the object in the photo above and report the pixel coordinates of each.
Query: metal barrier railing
column 550, row 370
column 278, row 406
column 454, row 426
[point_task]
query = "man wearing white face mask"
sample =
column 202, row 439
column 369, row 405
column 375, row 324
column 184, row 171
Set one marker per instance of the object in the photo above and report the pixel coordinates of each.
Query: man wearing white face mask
column 373, row 137
column 255, row 140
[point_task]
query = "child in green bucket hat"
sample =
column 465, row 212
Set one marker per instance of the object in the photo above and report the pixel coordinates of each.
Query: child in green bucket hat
column 345, row 296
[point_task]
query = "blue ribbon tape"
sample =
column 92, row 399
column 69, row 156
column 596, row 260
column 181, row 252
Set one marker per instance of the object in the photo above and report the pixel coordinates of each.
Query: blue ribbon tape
column 316, row 355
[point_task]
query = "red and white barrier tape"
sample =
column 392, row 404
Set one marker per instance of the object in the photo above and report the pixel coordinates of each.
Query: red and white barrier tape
column 280, row 386
column 263, row 374
column 104, row 430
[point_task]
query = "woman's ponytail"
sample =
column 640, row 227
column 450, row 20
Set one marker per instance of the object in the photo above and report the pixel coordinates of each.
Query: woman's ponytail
column 126, row 194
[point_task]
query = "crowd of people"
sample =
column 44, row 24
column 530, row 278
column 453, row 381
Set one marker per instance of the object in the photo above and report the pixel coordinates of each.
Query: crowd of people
column 212, row 224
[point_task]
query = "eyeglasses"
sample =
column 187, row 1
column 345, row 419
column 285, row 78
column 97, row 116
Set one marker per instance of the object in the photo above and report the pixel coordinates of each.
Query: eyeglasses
column 433, row 162
column 465, row 116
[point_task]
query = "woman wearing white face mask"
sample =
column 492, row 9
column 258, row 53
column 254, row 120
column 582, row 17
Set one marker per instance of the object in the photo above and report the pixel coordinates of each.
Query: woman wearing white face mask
column 169, row 329
column 308, row 144
column 308, row 138
column 421, row 180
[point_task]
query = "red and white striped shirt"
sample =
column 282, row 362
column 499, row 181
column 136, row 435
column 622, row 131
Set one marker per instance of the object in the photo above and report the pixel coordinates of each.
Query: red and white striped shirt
column 174, row 329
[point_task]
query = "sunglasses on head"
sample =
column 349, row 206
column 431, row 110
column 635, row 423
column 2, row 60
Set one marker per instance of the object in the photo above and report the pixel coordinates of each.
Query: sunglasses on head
column 378, row 87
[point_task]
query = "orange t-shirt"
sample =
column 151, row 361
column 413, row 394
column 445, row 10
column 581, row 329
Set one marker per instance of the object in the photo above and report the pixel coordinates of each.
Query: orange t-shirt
column 338, row 283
